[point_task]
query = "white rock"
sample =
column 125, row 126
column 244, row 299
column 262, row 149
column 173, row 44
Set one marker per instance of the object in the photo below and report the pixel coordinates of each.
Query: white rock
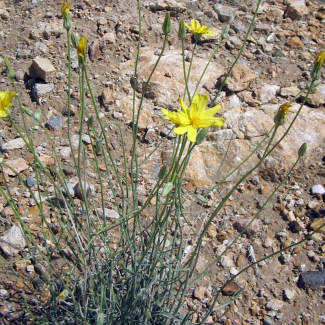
column 42, row 68
column 226, row 262
column 12, row 241
column 289, row 294
column 13, row 144
column 267, row 92
column 318, row 189
column 274, row 304
column 110, row 214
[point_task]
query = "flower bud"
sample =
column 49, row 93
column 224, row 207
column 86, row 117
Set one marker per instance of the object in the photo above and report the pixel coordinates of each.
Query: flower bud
column 167, row 27
column 82, row 47
column 163, row 172
column 302, row 150
column 201, row 136
column 75, row 40
column 281, row 115
column 65, row 7
column 313, row 84
column 64, row 294
column 167, row 189
column 225, row 32
column 9, row 69
column 66, row 23
column 315, row 72
column 90, row 122
column 182, row 30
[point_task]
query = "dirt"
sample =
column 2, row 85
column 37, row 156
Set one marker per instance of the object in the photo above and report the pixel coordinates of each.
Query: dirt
column 18, row 37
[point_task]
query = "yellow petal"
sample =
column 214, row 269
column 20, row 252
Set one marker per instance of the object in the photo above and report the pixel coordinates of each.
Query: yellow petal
column 181, row 129
column 183, row 118
column 212, row 111
column 191, row 134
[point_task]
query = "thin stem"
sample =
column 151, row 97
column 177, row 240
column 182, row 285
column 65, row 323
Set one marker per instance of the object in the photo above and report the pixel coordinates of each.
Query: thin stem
column 239, row 54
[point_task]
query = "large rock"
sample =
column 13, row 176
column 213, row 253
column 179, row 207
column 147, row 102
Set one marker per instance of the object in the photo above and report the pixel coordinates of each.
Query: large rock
column 167, row 83
column 42, row 68
column 18, row 143
column 225, row 14
column 240, row 78
column 18, row 165
column 12, row 241
column 296, row 9
column 170, row 5
column 267, row 92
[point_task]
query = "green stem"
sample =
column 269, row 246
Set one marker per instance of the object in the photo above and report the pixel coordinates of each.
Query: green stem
column 184, row 71
column 189, row 72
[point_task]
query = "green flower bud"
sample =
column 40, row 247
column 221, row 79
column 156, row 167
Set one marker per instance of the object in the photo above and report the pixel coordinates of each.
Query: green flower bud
column 201, row 136
column 67, row 23
column 182, row 30
column 163, row 172
column 313, row 84
column 167, row 189
column 90, row 122
column 167, row 27
column 302, row 150
column 9, row 69
column 315, row 72
column 224, row 34
column 75, row 40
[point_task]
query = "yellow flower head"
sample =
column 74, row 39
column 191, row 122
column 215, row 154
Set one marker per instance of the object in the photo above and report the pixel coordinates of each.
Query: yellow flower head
column 5, row 99
column 188, row 120
column 315, row 72
column 171, row 116
column 281, row 115
column 320, row 58
column 65, row 7
column 64, row 294
column 198, row 30
column 82, row 47
column 285, row 109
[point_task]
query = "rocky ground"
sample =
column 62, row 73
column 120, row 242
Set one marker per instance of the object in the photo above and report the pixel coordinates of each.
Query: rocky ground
column 275, row 64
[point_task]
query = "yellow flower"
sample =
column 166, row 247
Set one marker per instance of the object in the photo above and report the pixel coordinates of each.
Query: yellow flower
column 188, row 120
column 198, row 30
column 285, row 109
column 315, row 73
column 82, row 47
column 63, row 294
column 320, row 58
column 171, row 116
column 281, row 115
column 5, row 99
column 65, row 7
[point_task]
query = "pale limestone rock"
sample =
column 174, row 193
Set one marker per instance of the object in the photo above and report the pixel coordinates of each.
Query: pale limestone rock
column 110, row 38
column 240, row 78
column 12, row 241
column 18, row 143
column 255, row 124
column 267, row 92
column 167, row 83
column 225, row 14
column 315, row 99
column 169, row 5
column 17, row 165
column 42, row 68
column 289, row 91
column 296, row 9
